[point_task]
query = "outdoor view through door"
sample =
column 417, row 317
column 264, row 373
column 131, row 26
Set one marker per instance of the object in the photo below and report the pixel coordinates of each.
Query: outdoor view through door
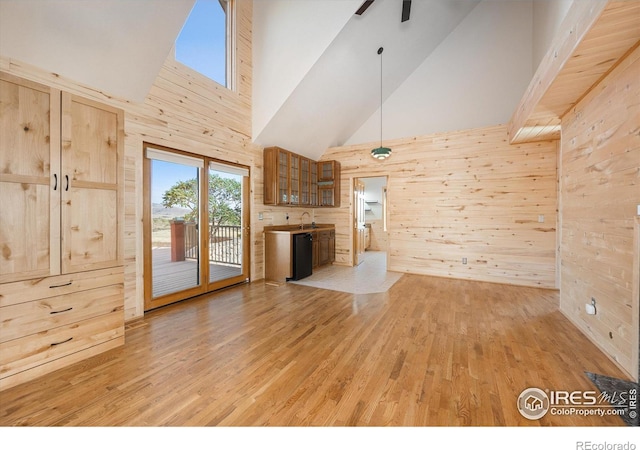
column 188, row 252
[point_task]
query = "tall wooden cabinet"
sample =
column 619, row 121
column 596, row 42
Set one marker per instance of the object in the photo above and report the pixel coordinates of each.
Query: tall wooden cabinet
column 61, row 219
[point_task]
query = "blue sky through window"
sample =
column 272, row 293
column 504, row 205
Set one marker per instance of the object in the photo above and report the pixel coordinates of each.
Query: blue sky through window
column 201, row 44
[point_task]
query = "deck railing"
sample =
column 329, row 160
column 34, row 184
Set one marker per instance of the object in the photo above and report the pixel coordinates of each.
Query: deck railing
column 225, row 243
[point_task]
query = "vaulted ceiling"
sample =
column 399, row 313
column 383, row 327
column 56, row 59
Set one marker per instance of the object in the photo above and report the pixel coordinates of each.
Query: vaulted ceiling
column 116, row 46
column 340, row 89
column 317, row 75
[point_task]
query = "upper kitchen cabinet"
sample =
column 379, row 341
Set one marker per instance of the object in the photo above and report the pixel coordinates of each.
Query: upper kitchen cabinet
column 277, row 172
column 293, row 180
column 328, row 183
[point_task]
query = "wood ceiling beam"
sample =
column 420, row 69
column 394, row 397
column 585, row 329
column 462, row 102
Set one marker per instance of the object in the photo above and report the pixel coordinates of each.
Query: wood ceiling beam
column 594, row 36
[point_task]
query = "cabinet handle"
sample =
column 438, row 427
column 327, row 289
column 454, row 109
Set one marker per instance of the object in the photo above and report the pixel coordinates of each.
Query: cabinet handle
column 55, row 178
column 61, row 342
column 64, row 310
column 66, row 177
column 61, row 285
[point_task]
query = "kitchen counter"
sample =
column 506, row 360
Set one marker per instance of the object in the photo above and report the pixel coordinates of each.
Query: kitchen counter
column 293, row 229
column 278, row 243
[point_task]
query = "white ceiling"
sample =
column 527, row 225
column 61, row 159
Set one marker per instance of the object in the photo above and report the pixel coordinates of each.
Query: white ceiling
column 116, row 46
column 316, row 67
column 342, row 89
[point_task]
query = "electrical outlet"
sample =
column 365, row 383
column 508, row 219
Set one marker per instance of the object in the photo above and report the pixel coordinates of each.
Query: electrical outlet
column 541, row 218
column 464, row 260
column 590, row 308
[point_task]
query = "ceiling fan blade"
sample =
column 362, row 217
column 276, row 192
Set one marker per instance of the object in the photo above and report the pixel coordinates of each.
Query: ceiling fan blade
column 406, row 10
column 364, row 7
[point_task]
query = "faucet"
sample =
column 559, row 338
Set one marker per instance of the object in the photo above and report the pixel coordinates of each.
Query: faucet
column 302, row 219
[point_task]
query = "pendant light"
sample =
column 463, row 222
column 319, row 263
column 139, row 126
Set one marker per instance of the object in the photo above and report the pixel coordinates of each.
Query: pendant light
column 381, row 152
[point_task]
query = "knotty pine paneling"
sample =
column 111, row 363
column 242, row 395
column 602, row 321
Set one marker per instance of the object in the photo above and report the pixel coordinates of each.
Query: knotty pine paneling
column 600, row 188
column 466, row 194
column 186, row 111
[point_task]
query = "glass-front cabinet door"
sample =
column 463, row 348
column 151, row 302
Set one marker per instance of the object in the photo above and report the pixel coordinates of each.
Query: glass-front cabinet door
column 283, row 177
column 305, row 186
column 294, row 179
column 313, row 194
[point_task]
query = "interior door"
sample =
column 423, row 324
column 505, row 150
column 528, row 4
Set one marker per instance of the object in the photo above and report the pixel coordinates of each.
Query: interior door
column 358, row 221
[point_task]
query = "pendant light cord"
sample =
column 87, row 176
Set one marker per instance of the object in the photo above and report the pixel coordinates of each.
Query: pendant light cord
column 380, row 50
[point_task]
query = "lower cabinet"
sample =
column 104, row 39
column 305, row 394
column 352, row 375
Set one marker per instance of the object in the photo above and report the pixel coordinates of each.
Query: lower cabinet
column 278, row 249
column 58, row 321
column 326, row 247
column 314, row 252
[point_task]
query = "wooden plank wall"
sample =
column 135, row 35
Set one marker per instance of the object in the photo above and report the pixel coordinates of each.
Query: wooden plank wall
column 466, row 194
column 186, row 111
column 600, row 188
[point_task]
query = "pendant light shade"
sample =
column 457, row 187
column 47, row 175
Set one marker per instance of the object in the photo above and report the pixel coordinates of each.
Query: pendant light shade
column 381, row 152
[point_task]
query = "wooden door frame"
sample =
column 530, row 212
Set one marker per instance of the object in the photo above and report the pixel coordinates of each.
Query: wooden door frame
column 204, row 286
column 354, row 220
column 353, row 213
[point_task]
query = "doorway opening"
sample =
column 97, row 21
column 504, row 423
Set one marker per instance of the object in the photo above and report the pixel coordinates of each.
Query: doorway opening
column 196, row 225
column 370, row 235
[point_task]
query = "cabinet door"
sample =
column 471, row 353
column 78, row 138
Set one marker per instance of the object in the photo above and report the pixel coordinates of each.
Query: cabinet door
column 294, row 179
column 332, row 246
column 327, row 196
column 283, row 177
column 314, row 250
column 323, row 248
column 305, row 184
column 325, row 171
column 313, row 193
column 29, row 182
column 92, row 180
column 270, row 185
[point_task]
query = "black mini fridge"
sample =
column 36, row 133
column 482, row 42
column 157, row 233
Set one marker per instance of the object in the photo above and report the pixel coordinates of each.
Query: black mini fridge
column 302, row 255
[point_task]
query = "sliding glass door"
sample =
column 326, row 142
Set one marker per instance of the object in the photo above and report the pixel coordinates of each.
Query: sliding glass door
column 196, row 221
column 228, row 224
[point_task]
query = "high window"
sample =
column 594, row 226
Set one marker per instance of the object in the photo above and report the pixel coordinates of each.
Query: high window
column 204, row 44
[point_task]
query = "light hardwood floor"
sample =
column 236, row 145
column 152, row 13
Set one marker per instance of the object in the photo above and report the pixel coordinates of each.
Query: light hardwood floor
column 430, row 351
